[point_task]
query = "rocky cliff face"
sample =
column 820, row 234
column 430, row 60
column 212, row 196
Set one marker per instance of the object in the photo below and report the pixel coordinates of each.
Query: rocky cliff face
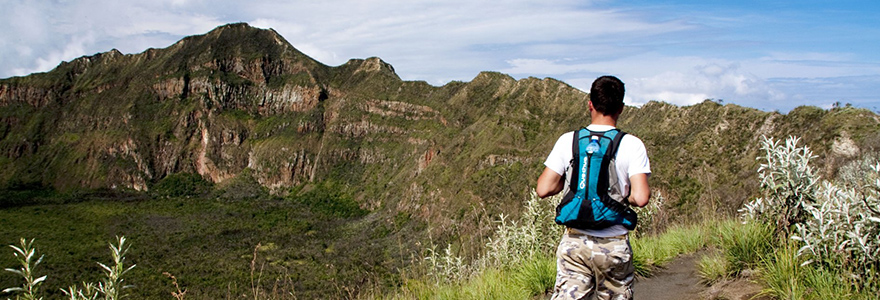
column 243, row 99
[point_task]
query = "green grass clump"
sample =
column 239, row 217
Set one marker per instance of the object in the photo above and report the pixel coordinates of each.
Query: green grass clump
column 783, row 275
column 537, row 274
column 713, row 268
column 744, row 245
column 653, row 251
column 786, row 275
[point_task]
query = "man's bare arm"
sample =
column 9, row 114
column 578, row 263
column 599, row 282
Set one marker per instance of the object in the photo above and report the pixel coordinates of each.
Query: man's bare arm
column 639, row 191
column 549, row 183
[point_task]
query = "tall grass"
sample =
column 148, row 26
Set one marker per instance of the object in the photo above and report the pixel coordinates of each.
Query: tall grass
column 713, row 268
column 744, row 245
column 536, row 275
column 787, row 276
column 650, row 252
column 517, row 261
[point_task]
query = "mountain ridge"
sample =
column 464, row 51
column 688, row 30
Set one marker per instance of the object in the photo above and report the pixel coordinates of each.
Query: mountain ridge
column 242, row 100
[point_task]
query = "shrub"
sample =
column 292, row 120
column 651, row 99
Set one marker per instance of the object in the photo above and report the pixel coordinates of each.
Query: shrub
column 844, row 228
column 535, row 234
column 182, row 185
column 329, row 199
column 852, row 174
column 651, row 215
column 241, row 187
column 836, row 224
column 788, row 183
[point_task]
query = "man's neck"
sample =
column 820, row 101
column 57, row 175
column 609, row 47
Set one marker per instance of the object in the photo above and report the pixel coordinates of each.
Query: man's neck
column 600, row 119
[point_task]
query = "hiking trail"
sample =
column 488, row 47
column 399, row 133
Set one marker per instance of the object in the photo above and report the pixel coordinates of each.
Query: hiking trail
column 679, row 280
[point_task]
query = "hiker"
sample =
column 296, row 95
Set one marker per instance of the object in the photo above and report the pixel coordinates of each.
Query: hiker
column 594, row 257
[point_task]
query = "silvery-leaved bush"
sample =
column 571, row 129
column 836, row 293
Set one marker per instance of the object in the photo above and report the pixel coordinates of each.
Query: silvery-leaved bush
column 844, row 222
column 836, row 222
column 788, row 183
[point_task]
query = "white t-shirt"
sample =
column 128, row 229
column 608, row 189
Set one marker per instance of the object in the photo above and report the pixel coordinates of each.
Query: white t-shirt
column 631, row 159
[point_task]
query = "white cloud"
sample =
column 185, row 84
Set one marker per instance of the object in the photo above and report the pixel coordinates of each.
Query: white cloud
column 661, row 52
column 710, row 81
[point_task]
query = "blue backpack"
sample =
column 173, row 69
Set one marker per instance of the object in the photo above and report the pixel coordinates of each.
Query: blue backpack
column 594, row 199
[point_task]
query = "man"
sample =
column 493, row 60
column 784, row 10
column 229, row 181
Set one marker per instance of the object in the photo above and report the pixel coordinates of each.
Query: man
column 598, row 262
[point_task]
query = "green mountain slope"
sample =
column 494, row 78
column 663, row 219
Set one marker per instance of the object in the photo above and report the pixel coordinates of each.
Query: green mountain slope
column 422, row 161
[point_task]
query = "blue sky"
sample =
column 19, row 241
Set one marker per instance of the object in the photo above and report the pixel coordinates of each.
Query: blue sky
column 771, row 55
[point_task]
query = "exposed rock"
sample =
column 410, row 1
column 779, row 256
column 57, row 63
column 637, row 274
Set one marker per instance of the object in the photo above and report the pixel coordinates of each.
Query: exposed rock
column 30, row 95
column 844, row 146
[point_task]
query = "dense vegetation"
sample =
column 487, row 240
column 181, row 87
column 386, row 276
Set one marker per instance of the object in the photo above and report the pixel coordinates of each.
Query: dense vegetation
column 315, row 245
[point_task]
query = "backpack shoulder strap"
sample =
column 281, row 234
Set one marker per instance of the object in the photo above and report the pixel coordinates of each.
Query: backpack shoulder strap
column 575, row 153
column 615, row 143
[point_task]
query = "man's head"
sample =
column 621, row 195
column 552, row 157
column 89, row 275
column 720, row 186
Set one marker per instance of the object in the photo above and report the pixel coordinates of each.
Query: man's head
column 606, row 94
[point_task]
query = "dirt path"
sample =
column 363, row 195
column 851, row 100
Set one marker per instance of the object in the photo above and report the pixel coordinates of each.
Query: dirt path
column 678, row 280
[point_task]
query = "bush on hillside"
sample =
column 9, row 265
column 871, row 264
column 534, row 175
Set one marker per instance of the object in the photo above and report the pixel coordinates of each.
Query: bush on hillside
column 329, row 199
column 241, row 187
column 844, row 226
column 836, row 224
column 182, row 185
column 788, row 183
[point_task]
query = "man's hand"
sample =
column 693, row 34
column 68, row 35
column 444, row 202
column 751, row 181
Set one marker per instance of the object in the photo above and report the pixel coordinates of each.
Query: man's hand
column 549, row 183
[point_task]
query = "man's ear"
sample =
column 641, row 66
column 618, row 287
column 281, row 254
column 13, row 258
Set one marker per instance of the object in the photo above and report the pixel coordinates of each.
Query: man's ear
column 590, row 105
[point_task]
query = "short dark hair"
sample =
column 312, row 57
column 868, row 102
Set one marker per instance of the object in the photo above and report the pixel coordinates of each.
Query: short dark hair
column 607, row 95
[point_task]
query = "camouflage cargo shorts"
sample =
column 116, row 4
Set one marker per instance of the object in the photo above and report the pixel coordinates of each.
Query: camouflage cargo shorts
column 588, row 267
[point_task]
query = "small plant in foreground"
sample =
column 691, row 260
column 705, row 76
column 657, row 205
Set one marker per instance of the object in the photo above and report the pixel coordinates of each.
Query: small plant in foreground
column 179, row 295
column 745, row 244
column 89, row 291
column 537, row 274
column 649, row 215
column 782, row 273
column 25, row 255
column 110, row 287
